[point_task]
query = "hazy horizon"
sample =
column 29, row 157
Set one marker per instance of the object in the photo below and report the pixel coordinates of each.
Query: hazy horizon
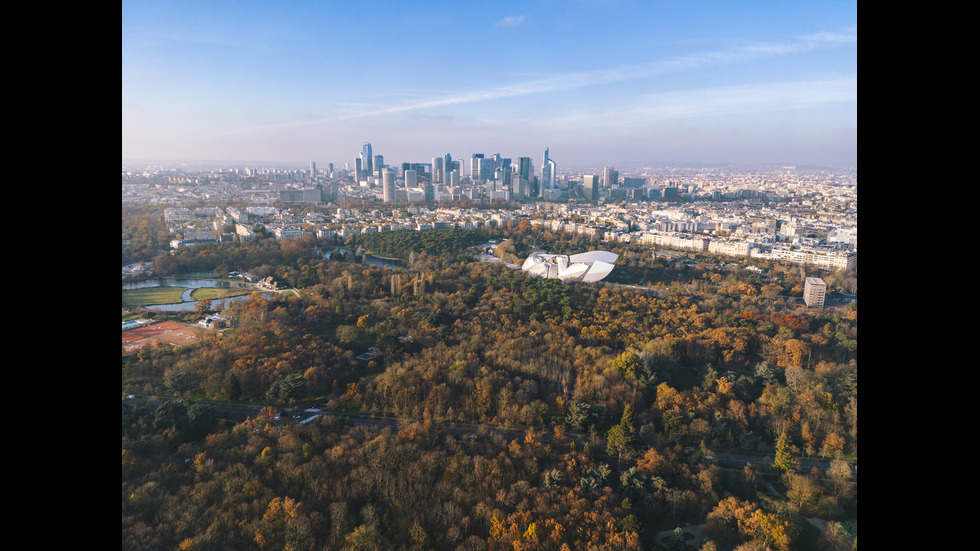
column 598, row 83
column 217, row 164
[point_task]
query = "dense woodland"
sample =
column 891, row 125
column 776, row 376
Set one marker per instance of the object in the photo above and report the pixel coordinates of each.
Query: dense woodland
column 621, row 396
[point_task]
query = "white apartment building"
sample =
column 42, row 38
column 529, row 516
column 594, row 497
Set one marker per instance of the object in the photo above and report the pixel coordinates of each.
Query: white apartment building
column 843, row 235
column 730, row 247
column 675, row 241
column 262, row 211
column 244, row 232
column 828, row 259
column 288, row 232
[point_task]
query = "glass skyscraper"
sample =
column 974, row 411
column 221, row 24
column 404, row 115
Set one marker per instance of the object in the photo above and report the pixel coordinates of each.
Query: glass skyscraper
column 367, row 159
column 549, row 172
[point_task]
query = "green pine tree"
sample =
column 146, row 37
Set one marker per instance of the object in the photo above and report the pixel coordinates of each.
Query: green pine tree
column 784, row 459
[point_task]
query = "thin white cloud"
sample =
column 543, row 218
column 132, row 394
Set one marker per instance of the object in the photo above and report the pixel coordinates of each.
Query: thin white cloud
column 511, row 20
column 715, row 102
column 590, row 78
column 750, row 98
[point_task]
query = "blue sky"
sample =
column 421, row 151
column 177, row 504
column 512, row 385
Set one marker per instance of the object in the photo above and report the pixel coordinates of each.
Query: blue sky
column 596, row 81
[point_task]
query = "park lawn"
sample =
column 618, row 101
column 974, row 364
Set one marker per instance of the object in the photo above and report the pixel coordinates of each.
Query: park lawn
column 212, row 293
column 135, row 298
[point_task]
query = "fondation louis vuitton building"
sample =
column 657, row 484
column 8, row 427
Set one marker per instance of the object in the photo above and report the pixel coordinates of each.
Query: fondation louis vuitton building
column 586, row 267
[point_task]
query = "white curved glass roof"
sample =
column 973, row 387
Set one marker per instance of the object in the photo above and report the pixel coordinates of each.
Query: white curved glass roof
column 587, row 267
column 594, row 256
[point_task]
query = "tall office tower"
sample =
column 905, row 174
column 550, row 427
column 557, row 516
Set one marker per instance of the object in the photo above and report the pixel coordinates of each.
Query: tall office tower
column 447, row 167
column 367, row 159
column 503, row 174
column 485, row 170
column 610, row 177
column 419, row 168
column 524, row 167
column 591, row 187
column 330, row 166
column 518, row 187
column 411, row 178
column 358, row 170
column 549, row 172
column 476, row 168
column 379, row 162
column 388, row 185
column 312, row 169
column 438, row 171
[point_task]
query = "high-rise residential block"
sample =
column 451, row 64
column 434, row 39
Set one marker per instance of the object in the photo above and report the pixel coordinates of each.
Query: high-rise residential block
column 814, row 292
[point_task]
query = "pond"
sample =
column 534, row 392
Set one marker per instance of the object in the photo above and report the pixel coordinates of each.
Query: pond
column 189, row 305
column 379, row 261
column 189, row 284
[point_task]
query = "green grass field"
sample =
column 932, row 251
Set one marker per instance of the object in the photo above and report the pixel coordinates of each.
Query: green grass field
column 135, row 298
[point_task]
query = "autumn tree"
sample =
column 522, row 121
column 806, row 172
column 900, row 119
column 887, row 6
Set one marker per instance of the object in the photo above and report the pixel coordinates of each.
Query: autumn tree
column 840, row 479
column 802, row 491
column 628, row 364
column 729, row 524
column 203, row 307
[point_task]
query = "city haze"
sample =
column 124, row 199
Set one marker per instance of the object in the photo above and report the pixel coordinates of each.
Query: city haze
column 596, row 82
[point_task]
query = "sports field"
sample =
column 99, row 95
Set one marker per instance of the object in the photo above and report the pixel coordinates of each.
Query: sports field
column 167, row 332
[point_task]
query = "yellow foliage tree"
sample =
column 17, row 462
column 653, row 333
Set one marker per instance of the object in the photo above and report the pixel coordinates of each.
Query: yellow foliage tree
column 771, row 530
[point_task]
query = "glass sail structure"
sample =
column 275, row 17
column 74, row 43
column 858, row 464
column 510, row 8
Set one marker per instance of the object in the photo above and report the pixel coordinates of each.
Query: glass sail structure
column 586, row 267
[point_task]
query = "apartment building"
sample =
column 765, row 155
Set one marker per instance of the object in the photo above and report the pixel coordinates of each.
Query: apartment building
column 814, row 292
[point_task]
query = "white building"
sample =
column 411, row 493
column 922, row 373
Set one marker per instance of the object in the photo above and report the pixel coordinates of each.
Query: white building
column 824, row 258
column 287, row 232
column 244, row 232
column 586, row 267
column 730, row 247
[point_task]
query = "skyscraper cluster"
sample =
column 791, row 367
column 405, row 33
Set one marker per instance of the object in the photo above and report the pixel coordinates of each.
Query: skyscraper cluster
column 490, row 176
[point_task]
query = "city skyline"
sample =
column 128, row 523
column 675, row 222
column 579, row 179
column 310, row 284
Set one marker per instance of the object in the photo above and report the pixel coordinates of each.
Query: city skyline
column 597, row 83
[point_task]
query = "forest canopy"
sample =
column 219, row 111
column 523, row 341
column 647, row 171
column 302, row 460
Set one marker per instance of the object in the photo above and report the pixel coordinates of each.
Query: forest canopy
column 621, row 397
